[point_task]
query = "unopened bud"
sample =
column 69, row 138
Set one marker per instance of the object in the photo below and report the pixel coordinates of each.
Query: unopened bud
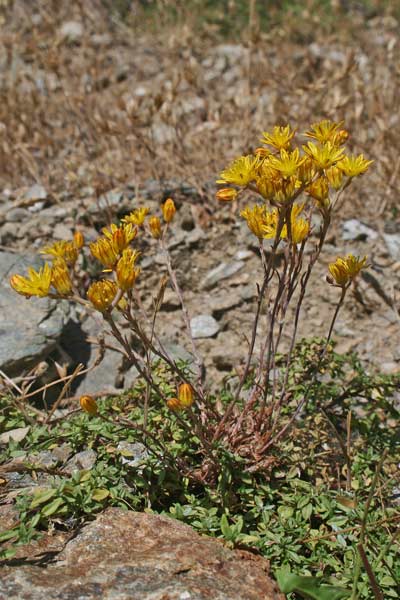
column 155, row 227
column 185, row 395
column 88, row 404
column 168, row 210
column 79, row 240
column 174, row 404
column 226, row 194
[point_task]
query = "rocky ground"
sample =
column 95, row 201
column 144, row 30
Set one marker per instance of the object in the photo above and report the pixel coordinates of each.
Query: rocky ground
column 98, row 117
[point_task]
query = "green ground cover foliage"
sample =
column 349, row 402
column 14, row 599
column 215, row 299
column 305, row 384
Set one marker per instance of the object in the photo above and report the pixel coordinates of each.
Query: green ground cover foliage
column 304, row 512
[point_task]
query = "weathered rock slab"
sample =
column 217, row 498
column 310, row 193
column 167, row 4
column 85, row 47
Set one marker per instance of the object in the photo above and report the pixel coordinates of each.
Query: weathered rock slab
column 29, row 328
column 135, row 556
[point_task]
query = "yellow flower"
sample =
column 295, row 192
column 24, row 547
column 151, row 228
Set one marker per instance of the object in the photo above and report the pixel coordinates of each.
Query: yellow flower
column 267, row 180
column 299, row 227
column 79, row 240
column 102, row 293
column 319, row 189
column 125, row 270
column 185, row 395
column 352, row 166
column 325, row 155
column 168, row 210
column 344, row 270
column 226, row 194
column 155, row 227
column 104, row 250
column 136, row 217
column 306, row 171
column 280, row 137
column 285, row 189
column 88, row 404
column 60, row 277
column 120, row 236
column 288, row 162
column 37, row 284
column 260, row 221
column 328, row 131
column 241, row 171
column 68, row 251
column 335, row 177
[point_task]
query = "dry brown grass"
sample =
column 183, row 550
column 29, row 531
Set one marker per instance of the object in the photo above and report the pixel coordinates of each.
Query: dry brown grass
column 89, row 113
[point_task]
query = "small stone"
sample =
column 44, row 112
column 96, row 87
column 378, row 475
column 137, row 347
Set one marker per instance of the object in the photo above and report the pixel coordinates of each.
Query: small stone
column 170, row 301
column 248, row 292
column 72, row 31
column 62, row 232
column 243, row 254
column 133, row 454
column 204, row 326
column 36, row 192
column 83, row 461
column 221, row 304
column 222, row 271
column 16, row 215
column 392, row 242
column 353, row 230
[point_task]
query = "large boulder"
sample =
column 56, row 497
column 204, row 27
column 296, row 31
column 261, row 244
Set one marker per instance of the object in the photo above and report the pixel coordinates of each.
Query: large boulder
column 136, row 556
column 29, row 328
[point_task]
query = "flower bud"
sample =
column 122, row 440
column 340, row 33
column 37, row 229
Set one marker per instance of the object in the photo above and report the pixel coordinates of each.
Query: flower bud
column 79, row 240
column 168, row 210
column 174, row 404
column 185, row 395
column 226, row 194
column 102, row 293
column 88, row 404
column 155, row 227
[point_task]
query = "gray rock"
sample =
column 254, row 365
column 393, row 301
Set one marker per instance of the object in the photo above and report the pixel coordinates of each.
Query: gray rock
column 223, row 303
column 29, row 328
column 83, row 461
column 74, row 341
column 18, row 214
column 36, row 192
column 353, row 229
column 132, row 454
column 392, row 242
column 124, row 554
column 204, row 326
column 222, row 271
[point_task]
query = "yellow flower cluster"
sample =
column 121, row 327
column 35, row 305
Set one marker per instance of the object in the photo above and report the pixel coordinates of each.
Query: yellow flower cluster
column 112, row 249
column 344, row 270
column 281, row 172
column 264, row 223
column 57, row 275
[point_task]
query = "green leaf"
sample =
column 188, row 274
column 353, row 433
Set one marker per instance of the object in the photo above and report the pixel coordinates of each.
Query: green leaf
column 8, row 535
column 51, row 508
column 309, row 587
column 100, row 494
column 42, row 496
column 225, row 527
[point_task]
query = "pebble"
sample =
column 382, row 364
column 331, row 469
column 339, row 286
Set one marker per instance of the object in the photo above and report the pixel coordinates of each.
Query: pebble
column 222, row 271
column 353, row 229
column 392, row 242
column 36, row 192
column 204, row 326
